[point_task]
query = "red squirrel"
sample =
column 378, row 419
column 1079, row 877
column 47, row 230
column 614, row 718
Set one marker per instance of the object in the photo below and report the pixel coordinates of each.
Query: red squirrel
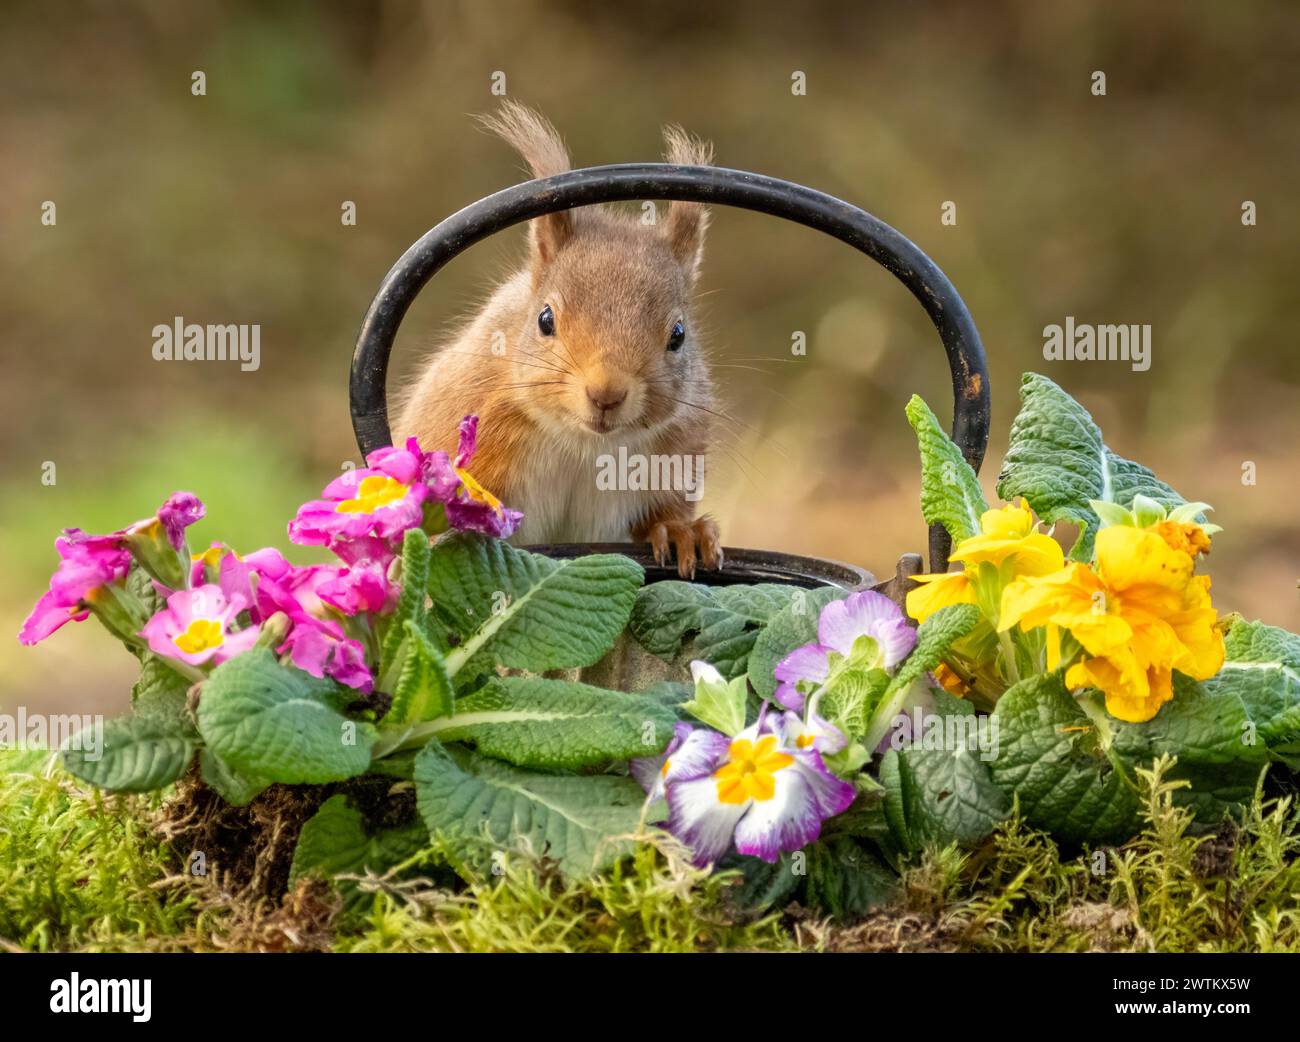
column 590, row 348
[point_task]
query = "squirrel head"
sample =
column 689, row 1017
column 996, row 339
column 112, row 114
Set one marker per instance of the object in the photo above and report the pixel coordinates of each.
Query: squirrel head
column 608, row 342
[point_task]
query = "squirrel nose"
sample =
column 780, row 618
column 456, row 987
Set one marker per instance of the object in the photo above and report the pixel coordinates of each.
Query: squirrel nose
column 605, row 398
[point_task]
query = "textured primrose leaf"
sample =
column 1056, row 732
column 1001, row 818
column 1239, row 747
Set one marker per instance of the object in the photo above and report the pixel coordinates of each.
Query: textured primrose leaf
column 276, row 723
column 666, row 613
column 950, row 491
column 162, row 694
column 411, row 602
column 1261, row 671
column 1051, row 760
column 934, row 797
column 845, row 880
column 558, row 724
column 850, row 699
column 338, row 840
column 236, row 789
column 791, row 627
column 139, row 584
column 423, row 690
column 1058, row 462
column 139, row 753
column 507, row 607
column 933, row 639
column 717, row 624
column 1225, row 729
column 762, row 885
column 150, row 748
column 481, row 807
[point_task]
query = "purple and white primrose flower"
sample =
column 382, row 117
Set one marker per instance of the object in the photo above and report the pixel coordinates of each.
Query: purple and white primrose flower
column 760, row 790
column 864, row 630
column 814, row 733
column 87, row 564
column 691, row 751
column 197, row 627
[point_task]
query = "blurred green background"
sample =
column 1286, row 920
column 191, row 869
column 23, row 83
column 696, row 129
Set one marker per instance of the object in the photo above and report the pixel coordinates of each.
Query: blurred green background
column 226, row 208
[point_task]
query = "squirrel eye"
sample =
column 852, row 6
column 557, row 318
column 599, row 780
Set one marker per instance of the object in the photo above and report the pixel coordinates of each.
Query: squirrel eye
column 546, row 321
column 677, row 337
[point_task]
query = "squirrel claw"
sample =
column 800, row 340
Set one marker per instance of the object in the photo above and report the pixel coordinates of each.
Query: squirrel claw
column 694, row 541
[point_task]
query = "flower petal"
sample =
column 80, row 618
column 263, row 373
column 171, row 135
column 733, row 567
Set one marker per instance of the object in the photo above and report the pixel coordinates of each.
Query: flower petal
column 843, row 622
column 805, row 795
column 700, row 820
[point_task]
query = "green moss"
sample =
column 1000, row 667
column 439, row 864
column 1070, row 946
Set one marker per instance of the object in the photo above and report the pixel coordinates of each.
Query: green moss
column 79, row 870
column 82, row 871
column 1170, row 889
column 653, row 902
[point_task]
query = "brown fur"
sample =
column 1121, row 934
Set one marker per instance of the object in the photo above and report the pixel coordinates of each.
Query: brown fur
column 548, row 405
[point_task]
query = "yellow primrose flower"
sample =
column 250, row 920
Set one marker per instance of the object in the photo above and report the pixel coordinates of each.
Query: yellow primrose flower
column 938, row 591
column 1177, row 527
column 1010, row 531
column 1191, row 539
column 1008, row 537
column 950, row 681
column 1138, row 616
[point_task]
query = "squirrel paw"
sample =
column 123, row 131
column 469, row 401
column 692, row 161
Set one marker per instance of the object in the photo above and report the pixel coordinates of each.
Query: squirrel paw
column 693, row 540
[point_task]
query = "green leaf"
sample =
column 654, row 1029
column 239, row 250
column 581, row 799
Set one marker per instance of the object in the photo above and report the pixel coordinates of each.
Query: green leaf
column 1224, row 730
column 277, row 723
column 1059, row 463
column 729, row 629
column 411, row 602
column 236, row 789
column 507, row 607
column 1262, row 670
column 480, row 807
column 762, row 885
column 867, row 821
column 934, row 797
column 933, row 639
column 792, row 626
column 845, row 880
column 719, row 704
column 849, row 698
column 717, row 624
column 139, row 584
column 423, row 690
column 337, row 840
column 147, row 750
column 557, row 724
column 163, row 694
column 666, row 613
column 950, row 491
column 1052, row 759
column 138, row 753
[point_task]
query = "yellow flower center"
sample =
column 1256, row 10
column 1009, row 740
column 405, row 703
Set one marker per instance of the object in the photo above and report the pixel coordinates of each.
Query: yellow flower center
column 750, row 770
column 201, row 635
column 478, row 492
column 211, row 557
column 805, row 740
column 374, row 492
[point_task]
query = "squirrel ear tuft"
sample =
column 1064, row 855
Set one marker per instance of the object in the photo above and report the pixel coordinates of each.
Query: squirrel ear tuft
column 687, row 222
column 535, row 138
